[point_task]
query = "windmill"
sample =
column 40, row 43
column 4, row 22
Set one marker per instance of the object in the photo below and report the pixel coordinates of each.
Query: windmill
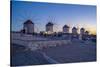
column 34, row 19
column 53, row 20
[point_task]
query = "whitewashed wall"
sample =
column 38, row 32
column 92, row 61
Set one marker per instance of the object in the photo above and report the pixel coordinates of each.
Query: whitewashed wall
column 35, row 42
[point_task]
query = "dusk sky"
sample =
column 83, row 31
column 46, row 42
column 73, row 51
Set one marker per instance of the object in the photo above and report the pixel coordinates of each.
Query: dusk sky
column 60, row 14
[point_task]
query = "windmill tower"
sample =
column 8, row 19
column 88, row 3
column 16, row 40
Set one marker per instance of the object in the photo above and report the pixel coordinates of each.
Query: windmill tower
column 66, row 29
column 28, row 27
column 82, row 32
column 50, row 26
column 74, row 30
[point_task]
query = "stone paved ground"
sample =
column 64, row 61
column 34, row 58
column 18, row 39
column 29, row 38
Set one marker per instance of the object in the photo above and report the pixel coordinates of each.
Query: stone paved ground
column 21, row 57
column 74, row 52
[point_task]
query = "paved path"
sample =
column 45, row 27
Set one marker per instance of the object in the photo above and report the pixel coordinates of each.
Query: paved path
column 22, row 57
column 75, row 52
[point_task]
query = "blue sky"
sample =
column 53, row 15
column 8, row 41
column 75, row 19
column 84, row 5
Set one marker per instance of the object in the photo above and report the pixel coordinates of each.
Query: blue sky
column 59, row 14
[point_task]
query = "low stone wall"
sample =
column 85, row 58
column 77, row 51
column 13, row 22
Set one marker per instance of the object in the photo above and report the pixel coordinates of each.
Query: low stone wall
column 26, row 37
column 33, row 45
column 33, row 42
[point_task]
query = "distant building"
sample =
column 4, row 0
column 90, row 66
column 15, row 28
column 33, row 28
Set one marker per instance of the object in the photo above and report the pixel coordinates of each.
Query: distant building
column 49, row 27
column 74, row 30
column 28, row 27
column 66, row 29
